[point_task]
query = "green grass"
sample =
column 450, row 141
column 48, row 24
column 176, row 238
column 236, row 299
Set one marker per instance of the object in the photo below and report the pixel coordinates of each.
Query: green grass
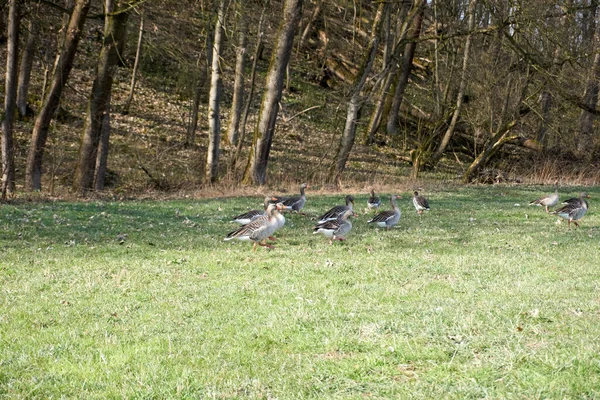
column 477, row 298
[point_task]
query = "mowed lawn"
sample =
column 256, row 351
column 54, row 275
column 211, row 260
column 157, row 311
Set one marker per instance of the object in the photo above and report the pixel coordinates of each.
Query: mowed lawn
column 481, row 297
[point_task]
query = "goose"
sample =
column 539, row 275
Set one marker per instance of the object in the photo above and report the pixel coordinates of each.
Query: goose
column 260, row 229
column 374, row 201
column 387, row 219
column 573, row 211
column 421, row 203
column 296, row 203
column 249, row 216
column 576, row 200
column 547, row 201
column 337, row 211
column 335, row 229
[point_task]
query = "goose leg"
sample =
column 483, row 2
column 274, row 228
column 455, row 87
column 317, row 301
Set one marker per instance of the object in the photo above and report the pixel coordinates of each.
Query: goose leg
column 265, row 244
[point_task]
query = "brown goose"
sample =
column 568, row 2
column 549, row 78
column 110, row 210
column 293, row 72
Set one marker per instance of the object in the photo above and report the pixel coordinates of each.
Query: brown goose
column 337, row 211
column 335, row 229
column 421, row 203
column 295, row 203
column 374, row 202
column 574, row 211
column 260, row 229
column 547, row 201
column 387, row 219
column 577, row 200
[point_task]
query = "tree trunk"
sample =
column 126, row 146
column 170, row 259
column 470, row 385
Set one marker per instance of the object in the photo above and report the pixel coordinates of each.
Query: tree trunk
column 64, row 61
column 437, row 155
column 2, row 23
column 190, row 137
column 256, row 171
column 244, row 118
column 590, row 97
column 504, row 127
column 546, row 105
column 355, row 102
column 136, row 64
column 10, row 100
column 392, row 65
column 214, row 100
column 114, row 34
column 309, row 24
column 102, row 157
column 25, row 68
column 407, row 61
column 238, row 86
column 586, row 130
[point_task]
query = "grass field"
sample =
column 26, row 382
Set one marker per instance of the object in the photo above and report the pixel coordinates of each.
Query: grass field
column 143, row 299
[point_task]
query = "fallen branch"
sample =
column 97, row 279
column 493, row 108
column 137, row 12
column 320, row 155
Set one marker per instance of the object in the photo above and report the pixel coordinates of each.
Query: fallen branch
column 285, row 121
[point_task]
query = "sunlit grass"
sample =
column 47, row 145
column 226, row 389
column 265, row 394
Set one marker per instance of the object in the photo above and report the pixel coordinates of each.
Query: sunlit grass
column 477, row 298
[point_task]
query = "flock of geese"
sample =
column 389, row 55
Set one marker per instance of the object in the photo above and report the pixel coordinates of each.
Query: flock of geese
column 259, row 225
column 572, row 209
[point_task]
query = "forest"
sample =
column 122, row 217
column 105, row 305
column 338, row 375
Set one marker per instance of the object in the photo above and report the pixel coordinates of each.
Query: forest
column 135, row 95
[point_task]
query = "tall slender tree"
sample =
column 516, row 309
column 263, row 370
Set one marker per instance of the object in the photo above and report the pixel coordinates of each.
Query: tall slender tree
column 437, row 155
column 199, row 85
column 136, row 64
column 590, row 95
column 256, row 170
column 355, row 101
column 214, row 100
column 238, row 86
column 64, row 63
column 390, row 72
column 260, row 33
column 115, row 23
column 26, row 65
column 10, row 100
column 407, row 62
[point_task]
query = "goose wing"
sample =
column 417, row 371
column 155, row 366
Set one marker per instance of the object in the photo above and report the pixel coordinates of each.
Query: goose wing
column 248, row 216
column 421, row 202
column 333, row 213
column 382, row 216
column 250, row 230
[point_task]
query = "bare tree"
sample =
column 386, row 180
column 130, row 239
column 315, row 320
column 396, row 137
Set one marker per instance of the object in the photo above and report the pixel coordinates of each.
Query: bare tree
column 437, row 155
column 64, row 63
column 590, row 96
column 407, row 62
column 238, row 86
column 201, row 79
column 355, row 101
column 10, row 100
column 136, row 63
column 214, row 100
column 26, row 65
column 244, row 117
column 309, row 24
column 256, row 170
column 390, row 73
column 115, row 23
